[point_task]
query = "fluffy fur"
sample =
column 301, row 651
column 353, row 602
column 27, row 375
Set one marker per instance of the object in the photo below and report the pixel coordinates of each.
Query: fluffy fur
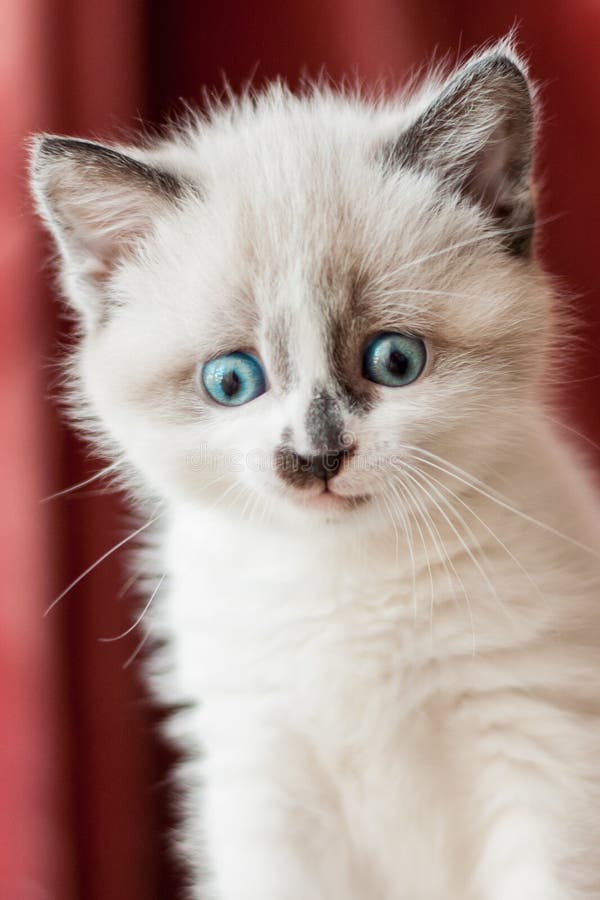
column 391, row 688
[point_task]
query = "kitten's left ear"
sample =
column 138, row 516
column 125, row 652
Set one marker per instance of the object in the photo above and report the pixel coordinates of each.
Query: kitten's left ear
column 477, row 134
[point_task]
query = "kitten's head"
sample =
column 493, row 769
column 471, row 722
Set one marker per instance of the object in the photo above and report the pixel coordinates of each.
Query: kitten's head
column 293, row 300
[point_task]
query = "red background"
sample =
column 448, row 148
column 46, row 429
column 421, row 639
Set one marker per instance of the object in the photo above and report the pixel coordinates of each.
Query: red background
column 84, row 806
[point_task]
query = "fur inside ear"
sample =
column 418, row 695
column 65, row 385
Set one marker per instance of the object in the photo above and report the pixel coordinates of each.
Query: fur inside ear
column 98, row 203
column 477, row 135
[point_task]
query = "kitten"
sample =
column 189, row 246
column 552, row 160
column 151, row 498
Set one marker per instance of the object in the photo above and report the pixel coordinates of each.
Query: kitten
column 313, row 327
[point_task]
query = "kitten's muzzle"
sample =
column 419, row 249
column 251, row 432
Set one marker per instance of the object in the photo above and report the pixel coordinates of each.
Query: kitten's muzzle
column 300, row 471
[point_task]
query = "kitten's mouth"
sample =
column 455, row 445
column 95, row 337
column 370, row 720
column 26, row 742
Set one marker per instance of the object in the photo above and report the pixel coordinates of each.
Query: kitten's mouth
column 329, row 499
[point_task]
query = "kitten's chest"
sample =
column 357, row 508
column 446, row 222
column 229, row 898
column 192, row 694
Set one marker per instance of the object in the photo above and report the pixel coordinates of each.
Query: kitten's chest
column 317, row 631
column 341, row 678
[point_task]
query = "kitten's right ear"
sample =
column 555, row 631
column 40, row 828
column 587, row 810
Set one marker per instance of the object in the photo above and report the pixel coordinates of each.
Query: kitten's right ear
column 98, row 203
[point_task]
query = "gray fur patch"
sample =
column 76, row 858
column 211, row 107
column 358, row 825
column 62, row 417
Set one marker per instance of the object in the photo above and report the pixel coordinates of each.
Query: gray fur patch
column 277, row 339
column 325, row 422
column 348, row 328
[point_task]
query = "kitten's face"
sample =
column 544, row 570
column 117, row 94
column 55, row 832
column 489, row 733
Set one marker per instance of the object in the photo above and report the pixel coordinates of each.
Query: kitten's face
column 289, row 337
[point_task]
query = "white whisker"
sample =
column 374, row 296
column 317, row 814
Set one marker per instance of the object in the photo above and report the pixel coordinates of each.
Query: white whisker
column 81, row 484
column 128, row 584
column 461, row 585
column 118, row 637
column 131, row 658
column 518, row 512
column 490, row 531
column 100, row 560
column 420, row 509
column 489, row 235
column 409, row 540
column 572, row 430
column 467, row 549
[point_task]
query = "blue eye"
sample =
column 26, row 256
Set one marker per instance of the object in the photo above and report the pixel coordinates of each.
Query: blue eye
column 234, row 379
column 394, row 359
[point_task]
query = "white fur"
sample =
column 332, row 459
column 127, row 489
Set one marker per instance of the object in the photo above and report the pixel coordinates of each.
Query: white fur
column 393, row 702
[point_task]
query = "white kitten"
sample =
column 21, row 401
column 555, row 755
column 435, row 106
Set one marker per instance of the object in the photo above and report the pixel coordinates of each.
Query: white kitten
column 314, row 327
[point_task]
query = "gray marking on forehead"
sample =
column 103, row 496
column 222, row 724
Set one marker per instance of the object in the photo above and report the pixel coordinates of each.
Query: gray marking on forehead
column 347, row 333
column 278, row 338
column 324, row 421
column 343, row 327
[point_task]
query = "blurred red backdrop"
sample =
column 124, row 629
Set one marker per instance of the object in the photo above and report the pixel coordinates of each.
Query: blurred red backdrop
column 85, row 802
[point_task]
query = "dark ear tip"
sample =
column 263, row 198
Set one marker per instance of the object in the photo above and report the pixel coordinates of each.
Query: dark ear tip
column 50, row 153
column 39, row 150
column 500, row 62
column 53, row 145
column 43, row 148
column 36, row 146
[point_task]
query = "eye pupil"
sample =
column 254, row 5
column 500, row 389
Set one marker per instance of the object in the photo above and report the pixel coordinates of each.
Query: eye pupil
column 230, row 383
column 397, row 363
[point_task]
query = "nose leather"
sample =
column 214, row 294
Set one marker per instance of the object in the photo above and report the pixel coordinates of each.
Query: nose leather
column 324, row 465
